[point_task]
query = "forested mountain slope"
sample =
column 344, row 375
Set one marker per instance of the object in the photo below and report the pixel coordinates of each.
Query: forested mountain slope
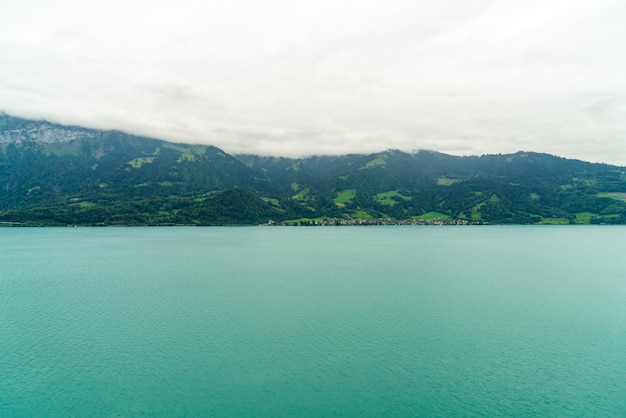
column 55, row 174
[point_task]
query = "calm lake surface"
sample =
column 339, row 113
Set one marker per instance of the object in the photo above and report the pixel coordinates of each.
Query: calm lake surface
column 335, row 321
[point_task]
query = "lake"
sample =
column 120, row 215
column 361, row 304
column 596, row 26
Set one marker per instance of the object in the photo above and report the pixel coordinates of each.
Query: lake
column 327, row 321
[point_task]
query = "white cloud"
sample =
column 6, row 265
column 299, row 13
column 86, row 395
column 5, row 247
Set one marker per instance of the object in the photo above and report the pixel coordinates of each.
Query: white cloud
column 296, row 78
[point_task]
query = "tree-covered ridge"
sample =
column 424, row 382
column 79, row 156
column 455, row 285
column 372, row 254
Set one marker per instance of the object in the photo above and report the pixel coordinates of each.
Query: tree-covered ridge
column 55, row 174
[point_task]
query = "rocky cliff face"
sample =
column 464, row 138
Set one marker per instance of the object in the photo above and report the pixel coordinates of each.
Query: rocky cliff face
column 17, row 130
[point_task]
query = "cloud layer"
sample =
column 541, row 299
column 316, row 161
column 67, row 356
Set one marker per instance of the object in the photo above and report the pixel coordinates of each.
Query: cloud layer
column 298, row 78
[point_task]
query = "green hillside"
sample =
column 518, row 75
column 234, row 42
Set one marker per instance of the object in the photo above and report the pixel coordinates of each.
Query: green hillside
column 52, row 174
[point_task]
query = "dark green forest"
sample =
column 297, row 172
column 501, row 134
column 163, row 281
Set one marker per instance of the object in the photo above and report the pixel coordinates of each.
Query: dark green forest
column 53, row 174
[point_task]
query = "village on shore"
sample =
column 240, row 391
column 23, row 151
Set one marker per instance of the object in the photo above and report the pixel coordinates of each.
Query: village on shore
column 379, row 221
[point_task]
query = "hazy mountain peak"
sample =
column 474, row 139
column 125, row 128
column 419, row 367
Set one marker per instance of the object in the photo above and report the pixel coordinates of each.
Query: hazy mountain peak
column 18, row 130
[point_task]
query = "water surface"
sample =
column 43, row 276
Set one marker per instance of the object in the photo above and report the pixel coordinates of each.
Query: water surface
column 345, row 321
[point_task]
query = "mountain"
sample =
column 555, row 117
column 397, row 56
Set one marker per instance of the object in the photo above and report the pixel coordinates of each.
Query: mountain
column 52, row 174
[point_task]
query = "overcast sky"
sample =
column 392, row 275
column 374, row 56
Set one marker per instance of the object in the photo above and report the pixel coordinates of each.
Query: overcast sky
column 295, row 78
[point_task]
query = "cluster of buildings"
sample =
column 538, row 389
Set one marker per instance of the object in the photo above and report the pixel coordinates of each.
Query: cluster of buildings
column 354, row 221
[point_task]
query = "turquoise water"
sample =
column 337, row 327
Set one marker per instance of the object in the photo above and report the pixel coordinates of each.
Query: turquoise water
column 344, row 321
